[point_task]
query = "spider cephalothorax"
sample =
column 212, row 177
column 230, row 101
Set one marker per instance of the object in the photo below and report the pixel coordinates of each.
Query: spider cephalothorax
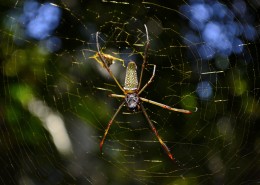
column 132, row 90
column 132, row 101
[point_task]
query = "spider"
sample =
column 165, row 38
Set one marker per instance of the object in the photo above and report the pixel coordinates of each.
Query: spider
column 132, row 90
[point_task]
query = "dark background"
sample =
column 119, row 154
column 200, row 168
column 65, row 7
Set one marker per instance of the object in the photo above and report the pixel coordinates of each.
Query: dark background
column 218, row 144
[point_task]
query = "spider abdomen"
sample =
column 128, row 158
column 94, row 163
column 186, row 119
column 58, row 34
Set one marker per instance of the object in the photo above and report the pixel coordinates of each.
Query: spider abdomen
column 132, row 101
column 131, row 81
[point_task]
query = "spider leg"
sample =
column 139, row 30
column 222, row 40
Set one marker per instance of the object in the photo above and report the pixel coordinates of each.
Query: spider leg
column 156, row 133
column 150, row 80
column 105, row 64
column 165, row 106
column 116, row 96
column 109, row 125
column 145, row 56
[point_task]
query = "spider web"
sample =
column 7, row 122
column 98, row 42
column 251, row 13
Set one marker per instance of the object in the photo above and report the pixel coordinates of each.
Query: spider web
column 55, row 107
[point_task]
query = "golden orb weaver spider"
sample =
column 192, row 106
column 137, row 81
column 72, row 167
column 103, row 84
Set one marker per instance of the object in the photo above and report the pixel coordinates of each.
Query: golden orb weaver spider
column 132, row 91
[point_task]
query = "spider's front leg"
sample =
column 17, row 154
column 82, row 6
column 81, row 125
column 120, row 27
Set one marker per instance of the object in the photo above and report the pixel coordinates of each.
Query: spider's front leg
column 167, row 150
column 109, row 125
